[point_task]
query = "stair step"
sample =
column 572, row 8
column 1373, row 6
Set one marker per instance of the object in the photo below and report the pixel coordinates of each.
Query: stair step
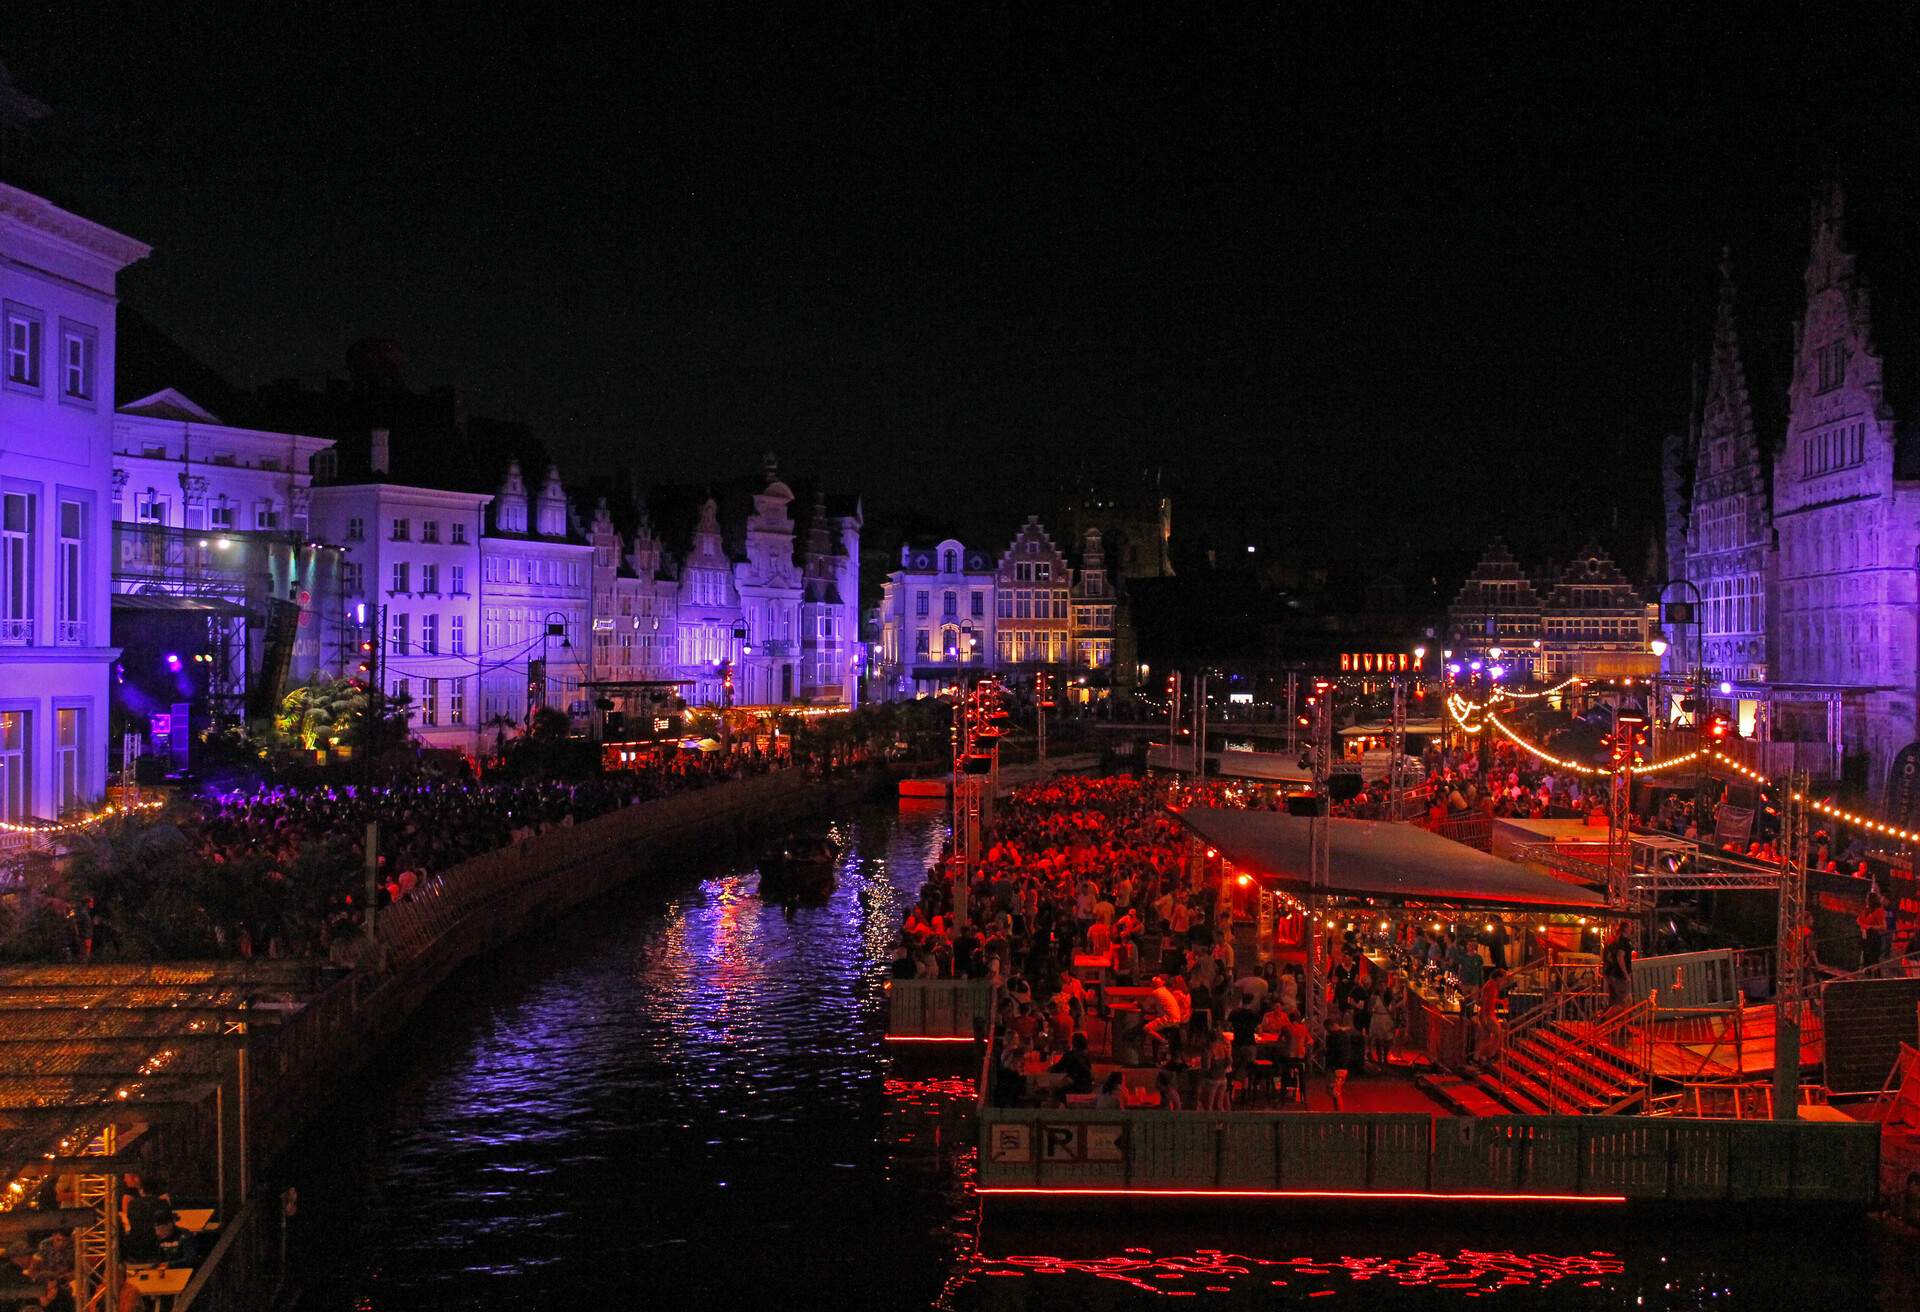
column 1605, row 1081
column 1571, row 1035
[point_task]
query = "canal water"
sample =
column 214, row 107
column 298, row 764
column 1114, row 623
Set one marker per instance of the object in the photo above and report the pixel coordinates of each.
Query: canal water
column 679, row 1097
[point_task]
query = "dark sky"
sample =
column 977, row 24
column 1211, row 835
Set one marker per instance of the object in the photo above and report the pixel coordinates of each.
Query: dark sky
column 1400, row 282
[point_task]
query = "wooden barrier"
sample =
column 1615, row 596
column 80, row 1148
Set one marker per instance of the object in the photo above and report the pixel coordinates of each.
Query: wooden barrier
column 235, row 1276
column 938, row 1009
column 1567, row 1158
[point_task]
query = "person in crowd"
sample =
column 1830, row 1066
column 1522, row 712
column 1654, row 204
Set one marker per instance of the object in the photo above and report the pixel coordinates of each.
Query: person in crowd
column 1112, row 1093
column 1076, row 1066
column 1616, row 967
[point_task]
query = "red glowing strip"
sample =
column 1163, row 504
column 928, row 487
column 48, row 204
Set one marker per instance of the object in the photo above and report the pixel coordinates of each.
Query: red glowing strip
column 931, row 1038
column 1305, row 1193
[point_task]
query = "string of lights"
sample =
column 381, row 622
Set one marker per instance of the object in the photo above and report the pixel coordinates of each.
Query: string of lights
column 78, row 823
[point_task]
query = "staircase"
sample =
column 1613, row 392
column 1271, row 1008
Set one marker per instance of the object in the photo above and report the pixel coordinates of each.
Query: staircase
column 1557, row 1062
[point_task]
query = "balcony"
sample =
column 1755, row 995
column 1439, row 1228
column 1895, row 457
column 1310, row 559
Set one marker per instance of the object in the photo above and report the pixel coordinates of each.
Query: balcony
column 775, row 647
column 69, row 633
column 16, row 633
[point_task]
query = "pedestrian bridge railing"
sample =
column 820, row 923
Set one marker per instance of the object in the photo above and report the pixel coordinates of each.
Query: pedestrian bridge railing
column 938, row 1010
column 1574, row 1159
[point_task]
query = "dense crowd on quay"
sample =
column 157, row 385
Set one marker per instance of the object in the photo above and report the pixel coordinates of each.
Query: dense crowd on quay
column 280, row 871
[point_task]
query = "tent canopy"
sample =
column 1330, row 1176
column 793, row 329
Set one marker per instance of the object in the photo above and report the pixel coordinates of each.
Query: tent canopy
column 1399, row 863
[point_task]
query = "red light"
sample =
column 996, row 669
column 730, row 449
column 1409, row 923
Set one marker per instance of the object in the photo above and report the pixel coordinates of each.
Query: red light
column 1243, row 880
column 1065, row 1191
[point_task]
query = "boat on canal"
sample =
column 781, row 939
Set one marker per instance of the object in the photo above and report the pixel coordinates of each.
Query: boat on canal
column 800, row 867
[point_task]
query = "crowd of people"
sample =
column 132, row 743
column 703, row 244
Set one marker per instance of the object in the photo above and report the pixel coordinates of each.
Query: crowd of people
column 1091, row 868
column 280, row 871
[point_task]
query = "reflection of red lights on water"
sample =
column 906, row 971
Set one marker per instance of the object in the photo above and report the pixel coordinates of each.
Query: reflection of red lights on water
column 1470, row 1271
column 929, row 1038
column 1066, row 1192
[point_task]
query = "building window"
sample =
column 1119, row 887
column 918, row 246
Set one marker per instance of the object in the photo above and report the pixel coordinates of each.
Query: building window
column 457, row 579
column 69, row 760
column 350, row 577
column 456, row 701
column 430, row 637
column 1005, row 605
column 220, row 513
column 430, row 579
column 950, row 605
column 76, row 362
column 948, row 562
column 16, row 569
column 920, row 604
column 15, row 783
column 23, row 346
column 70, row 582
column 978, row 604
column 1833, row 365
column 266, row 515
column 151, row 508
column 401, row 572
column 920, row 642
column 430, row 531
column 402, row 531
column 459, row 532
column 402, row 691
column 429, row 702
column 457, row 636
column 356, row 529
column 400, row 634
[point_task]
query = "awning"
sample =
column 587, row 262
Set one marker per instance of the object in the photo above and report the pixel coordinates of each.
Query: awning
column 168, row 601
column 1401, row 863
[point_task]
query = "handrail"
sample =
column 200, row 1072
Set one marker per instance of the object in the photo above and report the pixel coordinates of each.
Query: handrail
column 1905, row 967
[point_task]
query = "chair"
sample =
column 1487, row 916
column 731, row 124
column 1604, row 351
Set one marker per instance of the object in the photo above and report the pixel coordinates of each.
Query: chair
column 1260, row 1072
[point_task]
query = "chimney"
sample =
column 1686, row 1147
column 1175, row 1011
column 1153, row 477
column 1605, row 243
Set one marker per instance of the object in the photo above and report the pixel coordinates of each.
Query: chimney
column 377, row 457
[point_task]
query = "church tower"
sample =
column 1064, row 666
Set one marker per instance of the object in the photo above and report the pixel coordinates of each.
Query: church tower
column 1729, row 529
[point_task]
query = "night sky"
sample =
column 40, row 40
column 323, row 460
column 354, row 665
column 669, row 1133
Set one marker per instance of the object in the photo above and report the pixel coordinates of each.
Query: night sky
column 1414, row 284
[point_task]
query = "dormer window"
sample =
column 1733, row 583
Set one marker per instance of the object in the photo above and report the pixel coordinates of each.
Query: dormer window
column 949, row 561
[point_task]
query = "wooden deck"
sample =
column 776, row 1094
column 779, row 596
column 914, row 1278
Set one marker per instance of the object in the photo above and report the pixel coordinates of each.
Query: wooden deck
column 1700, row 1048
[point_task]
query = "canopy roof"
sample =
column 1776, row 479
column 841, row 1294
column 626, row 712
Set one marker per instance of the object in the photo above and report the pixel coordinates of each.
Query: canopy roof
column 1401, row 863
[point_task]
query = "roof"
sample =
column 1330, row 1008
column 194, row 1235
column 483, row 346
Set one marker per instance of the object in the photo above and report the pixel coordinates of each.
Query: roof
column 1381, row 859
column 175, row 602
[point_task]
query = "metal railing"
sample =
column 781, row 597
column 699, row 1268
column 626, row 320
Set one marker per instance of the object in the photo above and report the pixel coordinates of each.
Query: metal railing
column 16, row 632
column 235, row 1274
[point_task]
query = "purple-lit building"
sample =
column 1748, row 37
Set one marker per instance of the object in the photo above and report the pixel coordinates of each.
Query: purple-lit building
column 58, row 288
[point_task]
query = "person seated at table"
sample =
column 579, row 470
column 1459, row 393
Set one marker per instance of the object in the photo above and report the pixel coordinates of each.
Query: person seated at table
column 1010, row 1081
column 1076, row 1066
column 175, row 1246
column 1243, row 1022
column 52, row 1258
column 55, row 1296
column 1113, row 1092
column 1162, row 1010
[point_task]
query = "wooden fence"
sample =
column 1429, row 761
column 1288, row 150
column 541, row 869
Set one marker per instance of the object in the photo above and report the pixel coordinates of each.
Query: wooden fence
column 938, row 1009
column 1570, row 1158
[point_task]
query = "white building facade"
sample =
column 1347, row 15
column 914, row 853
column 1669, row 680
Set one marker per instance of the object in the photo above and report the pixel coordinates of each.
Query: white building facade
column 536, row 605
column 410, row 583
column 58, row 289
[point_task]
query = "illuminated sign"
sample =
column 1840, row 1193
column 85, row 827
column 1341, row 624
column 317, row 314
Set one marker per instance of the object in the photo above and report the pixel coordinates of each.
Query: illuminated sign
column 1379, row 662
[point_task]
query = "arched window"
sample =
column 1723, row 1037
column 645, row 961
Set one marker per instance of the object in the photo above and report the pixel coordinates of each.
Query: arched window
column 948, row 562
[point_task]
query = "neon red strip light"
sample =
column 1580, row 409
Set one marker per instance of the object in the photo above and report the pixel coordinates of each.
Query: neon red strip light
column 931, row 1038
column 1303, row 1193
